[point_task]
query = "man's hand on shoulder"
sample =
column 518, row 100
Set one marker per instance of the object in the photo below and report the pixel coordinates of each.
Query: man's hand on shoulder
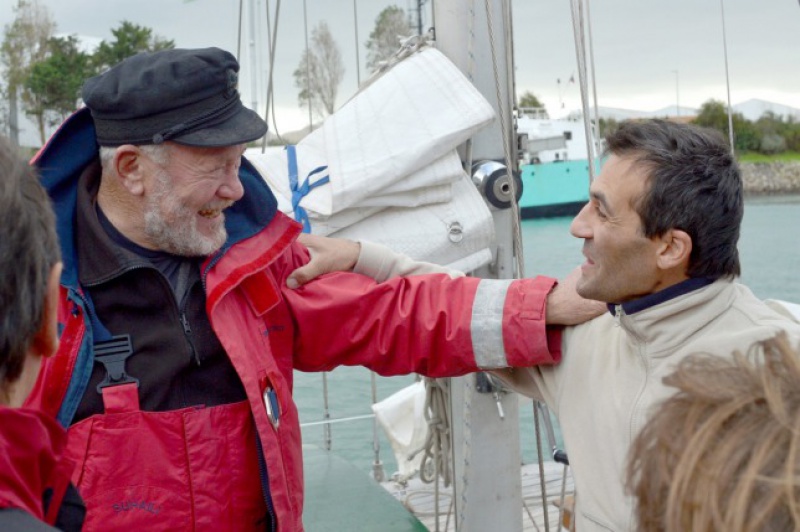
column 566, row 307
column 327, row 255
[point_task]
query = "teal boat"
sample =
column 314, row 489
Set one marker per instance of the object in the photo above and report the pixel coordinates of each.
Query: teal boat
column 554, row 164
column 554, row 189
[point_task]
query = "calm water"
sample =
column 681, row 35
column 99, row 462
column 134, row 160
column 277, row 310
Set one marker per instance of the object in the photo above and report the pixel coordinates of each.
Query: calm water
column 770, row 255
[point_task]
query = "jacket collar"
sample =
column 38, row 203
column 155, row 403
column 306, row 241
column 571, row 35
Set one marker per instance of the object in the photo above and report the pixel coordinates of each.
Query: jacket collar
column 73, row 148
column 668, row 324
column 99, row 258
column 31, row 444
column 651, row 300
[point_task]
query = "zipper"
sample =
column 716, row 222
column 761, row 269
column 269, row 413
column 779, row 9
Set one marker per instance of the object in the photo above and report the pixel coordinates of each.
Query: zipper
column 211, row 263
column 264, row 476
column 618, row 312
column 184, row 320
column 187, row 332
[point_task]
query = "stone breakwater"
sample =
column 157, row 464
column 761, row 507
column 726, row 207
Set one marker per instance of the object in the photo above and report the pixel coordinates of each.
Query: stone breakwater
column 771, row 178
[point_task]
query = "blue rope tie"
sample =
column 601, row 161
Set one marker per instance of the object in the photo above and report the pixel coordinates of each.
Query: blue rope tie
column 299, row 192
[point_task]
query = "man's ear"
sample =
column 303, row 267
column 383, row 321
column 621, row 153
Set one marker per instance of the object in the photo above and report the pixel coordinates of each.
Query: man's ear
column 45, row 342
column 675, row 250
column 129, row 164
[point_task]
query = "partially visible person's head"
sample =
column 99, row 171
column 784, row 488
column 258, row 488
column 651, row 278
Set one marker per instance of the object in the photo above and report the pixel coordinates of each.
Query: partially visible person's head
column 172, row 130
column 29, row 271
column 666, row 206
column 723, row 453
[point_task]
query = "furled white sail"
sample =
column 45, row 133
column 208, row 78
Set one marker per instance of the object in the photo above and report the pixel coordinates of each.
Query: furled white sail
column 395, row 175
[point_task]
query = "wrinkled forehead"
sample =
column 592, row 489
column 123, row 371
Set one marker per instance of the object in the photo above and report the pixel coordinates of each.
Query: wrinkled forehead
column 623, row 179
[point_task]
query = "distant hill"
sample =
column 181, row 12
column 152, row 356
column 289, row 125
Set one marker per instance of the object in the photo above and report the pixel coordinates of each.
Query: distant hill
column 750, row 109
column 753, row 109
column 620, row 114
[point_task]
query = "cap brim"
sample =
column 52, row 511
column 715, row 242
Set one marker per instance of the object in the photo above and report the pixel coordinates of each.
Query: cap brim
column 243, row 127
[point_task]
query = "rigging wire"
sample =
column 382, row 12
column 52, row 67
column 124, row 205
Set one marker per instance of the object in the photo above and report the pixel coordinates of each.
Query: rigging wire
column 594, row 156
column 542, row 484
column 378, row 472
column 337, row 420
column 437, row 448
column 470, row 77
column 358, row 59
column 580, row 52
column 727, row 79
column 326, row 411
column 308, row 67
column 326, row 414
column 253, row 57
column 272, row 37
column 239, row 33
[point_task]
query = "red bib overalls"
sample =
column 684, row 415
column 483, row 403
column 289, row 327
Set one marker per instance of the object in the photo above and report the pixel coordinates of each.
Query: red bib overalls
column 189, row 469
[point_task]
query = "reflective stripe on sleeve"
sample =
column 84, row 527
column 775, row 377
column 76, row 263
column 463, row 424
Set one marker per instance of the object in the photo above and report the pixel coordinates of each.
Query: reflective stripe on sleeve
column 487, row 323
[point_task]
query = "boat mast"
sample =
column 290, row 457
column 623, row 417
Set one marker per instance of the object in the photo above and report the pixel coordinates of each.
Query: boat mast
column 486, row 446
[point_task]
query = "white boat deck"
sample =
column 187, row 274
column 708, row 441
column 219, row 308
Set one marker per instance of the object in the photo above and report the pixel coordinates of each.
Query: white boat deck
column 420, row 499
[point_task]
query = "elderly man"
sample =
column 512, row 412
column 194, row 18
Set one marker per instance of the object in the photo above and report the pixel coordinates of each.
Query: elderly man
column 660, row 234
column 179, row 334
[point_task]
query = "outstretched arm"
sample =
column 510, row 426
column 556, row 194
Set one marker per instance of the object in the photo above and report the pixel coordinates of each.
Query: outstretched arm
column 373, row 260
column 564, row 305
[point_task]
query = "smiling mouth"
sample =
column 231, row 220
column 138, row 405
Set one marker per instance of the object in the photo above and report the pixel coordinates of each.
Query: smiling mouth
column 209, row 213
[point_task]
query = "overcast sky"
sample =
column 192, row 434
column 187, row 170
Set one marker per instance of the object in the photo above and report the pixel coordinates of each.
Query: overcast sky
column 647, row 53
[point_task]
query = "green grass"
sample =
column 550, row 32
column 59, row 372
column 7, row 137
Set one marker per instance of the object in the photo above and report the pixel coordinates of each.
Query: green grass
column 754, row 157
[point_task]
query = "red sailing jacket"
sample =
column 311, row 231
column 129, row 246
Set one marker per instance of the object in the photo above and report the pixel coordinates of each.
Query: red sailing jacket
column 31, row 461
column 429, row 324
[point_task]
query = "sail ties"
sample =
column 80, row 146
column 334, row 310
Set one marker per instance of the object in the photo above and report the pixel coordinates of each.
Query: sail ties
column 301, row 191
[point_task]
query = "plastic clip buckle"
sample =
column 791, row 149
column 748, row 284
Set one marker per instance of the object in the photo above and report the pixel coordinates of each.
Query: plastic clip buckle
column 112, row 354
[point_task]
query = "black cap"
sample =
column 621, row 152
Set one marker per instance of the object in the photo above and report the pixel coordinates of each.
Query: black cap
column 186, row 96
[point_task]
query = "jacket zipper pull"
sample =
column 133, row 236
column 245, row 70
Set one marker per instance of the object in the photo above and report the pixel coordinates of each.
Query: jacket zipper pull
column 187, row 330
column 617, row 315
column 273, row 406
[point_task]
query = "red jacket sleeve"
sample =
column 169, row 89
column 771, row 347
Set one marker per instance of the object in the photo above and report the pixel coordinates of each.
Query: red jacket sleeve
column 428, row 324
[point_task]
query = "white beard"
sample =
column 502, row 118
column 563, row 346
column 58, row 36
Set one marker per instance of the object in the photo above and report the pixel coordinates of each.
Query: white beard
column 172, row 227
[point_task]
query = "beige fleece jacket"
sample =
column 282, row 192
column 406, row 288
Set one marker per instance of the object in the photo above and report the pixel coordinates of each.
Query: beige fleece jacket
column 611, row 375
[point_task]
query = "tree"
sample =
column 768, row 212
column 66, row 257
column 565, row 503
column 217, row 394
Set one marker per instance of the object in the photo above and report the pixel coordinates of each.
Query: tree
column 774, row 132
column 714, row 114
column 55, row 83
column 528, row 100
column 24, row 43
column 320, row 72
column 792, row 134
column 129, row 39
column 390, row 26
column 607, row 126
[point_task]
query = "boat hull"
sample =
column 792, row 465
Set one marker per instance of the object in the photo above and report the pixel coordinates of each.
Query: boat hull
column 554, row 189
